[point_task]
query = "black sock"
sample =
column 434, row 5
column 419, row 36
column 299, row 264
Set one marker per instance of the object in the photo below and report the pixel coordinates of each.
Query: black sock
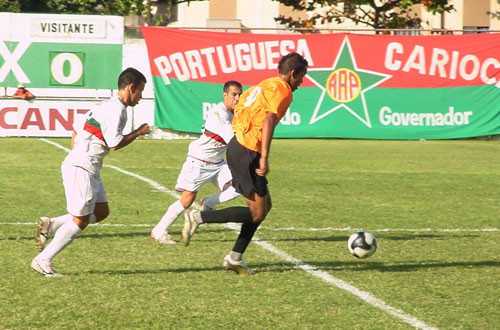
column 231, row 214
column 246, row 234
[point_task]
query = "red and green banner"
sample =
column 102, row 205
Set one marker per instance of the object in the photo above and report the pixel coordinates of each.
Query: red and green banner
column 357, row 86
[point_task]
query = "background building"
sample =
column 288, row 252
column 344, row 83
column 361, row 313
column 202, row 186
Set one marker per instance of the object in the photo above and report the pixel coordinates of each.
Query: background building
column 258, row 16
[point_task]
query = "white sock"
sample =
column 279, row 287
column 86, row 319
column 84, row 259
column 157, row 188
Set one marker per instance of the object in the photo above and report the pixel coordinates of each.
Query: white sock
column 223, row 196
column 65, row 235
column 168, row 219
column 236, row 256
column 59, row 221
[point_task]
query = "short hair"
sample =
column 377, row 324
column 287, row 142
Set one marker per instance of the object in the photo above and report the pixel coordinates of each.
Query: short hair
column 130, row 76
column 231, row 83
column 292, row 61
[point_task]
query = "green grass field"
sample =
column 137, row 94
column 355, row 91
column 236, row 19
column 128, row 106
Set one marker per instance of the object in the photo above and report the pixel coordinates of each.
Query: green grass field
column 434, row 206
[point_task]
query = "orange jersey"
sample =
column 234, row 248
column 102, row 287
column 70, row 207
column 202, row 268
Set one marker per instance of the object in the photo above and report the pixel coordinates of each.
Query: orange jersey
column 270, row 95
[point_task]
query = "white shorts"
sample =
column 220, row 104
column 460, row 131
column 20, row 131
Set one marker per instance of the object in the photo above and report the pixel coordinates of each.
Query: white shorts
column 195, row 173
column 83, row 190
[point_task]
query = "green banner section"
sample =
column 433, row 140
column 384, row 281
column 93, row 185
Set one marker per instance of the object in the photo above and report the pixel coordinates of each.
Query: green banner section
column 183, row 110
column 357, row 85
column 386, row 113
column 61, row 65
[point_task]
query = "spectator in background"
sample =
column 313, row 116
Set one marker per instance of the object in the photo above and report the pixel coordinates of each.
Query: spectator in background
column 23, row 93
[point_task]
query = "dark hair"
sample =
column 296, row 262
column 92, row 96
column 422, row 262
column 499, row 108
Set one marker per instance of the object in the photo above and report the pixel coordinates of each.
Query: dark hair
column 231, row 83
column 130, row 76
column 292, row 61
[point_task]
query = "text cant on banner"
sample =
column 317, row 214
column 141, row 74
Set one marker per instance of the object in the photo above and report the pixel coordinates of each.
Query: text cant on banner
column 357, row 86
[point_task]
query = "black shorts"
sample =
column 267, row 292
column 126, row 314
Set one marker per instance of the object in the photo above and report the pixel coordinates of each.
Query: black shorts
column 243, row 162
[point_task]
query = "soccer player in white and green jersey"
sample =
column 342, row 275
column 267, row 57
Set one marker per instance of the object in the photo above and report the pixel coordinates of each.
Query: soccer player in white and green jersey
column 86, row 200
column 205, row 162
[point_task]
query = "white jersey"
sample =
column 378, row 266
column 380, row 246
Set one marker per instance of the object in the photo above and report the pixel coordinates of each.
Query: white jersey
column 101, row 130
column 211, row 146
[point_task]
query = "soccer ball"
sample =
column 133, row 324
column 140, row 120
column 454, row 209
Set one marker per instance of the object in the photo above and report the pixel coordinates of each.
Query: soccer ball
column 362, row 244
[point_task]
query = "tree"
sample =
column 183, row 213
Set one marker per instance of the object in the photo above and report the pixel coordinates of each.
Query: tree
column 9, row 6
column 93, row 7
column 378, row 14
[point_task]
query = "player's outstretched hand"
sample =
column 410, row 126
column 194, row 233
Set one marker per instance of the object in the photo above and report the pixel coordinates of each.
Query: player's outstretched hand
column 144, row 129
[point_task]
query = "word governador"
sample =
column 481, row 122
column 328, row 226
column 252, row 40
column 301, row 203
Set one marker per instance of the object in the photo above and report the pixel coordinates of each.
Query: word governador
column 451, row 118
column 67, row 27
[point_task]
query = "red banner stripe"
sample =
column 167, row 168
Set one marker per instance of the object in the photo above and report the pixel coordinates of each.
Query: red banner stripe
column 411, row 61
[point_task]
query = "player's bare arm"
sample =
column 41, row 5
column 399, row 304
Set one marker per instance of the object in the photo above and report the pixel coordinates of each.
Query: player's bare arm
column 127, row 139
column 72, row 143
column 269, row 124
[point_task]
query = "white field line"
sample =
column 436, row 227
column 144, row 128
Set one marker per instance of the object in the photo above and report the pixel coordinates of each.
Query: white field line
column 175, row 194
column 296, row 229
column 365, row 296
column 416, row 230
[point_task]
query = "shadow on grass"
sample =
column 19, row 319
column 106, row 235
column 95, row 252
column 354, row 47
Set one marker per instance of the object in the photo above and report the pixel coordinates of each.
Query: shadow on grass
column 363, row 265
column 343, row 238
column 355, row 266
column 148, row 271
column 84, row 235
column 96, row 232
column 92, row 234
column 370, row 266
column 259, row 268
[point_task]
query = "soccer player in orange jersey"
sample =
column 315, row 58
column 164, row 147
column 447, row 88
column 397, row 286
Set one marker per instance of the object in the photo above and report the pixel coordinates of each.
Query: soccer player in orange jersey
column 256, row 115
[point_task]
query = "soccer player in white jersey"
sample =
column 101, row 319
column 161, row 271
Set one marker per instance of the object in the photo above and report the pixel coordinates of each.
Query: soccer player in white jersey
column 100, row 132
column 205, row 162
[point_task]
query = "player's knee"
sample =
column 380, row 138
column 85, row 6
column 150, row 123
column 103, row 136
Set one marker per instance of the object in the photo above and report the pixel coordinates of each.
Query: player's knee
column 81, row 222
column 101, row 211
column 259, row 216
column 100, row 217
column 101, row 214
column 186, row 204
column 187, row 198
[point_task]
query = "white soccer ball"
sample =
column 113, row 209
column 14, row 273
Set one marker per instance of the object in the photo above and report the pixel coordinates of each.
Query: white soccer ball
column 362, row 244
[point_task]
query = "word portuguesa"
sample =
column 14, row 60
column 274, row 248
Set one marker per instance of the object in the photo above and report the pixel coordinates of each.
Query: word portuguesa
column 198, row 63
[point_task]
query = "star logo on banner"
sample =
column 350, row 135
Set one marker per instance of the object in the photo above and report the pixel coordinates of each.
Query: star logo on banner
column 344, row 86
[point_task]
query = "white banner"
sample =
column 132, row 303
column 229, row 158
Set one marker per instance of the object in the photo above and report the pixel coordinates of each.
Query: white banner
column 55, row 118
